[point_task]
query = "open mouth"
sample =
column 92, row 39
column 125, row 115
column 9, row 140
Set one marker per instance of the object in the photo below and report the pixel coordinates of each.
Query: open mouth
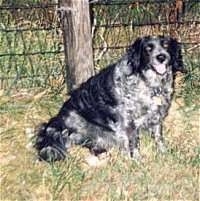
column 160, row 68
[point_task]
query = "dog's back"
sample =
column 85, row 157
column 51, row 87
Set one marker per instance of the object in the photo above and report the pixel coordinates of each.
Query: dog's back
column 112, row 107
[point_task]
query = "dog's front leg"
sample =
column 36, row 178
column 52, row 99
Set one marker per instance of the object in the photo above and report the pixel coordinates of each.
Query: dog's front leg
column 134, row 142
column 157, row 134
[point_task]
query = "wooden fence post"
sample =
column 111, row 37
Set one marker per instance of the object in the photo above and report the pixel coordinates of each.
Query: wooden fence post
column 174, row 17
column 75, row 20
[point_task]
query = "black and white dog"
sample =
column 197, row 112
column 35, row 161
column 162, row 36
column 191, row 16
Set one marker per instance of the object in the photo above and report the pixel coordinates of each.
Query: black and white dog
column 112, row 107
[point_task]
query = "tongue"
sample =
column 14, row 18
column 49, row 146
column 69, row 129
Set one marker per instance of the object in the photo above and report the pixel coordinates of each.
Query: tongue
column 160, row 68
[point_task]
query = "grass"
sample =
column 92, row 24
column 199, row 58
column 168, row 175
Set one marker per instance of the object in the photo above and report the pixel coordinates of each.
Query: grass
column 173, row 176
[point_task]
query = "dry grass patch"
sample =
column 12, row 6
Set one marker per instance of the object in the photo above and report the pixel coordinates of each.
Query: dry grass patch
column 173, row 176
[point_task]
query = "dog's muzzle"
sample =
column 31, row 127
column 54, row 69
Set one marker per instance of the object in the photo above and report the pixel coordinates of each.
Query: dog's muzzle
column 161, row 63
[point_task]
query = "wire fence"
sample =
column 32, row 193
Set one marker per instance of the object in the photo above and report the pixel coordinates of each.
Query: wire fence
column 31, row 50
column 118, row 23
column 31, row 46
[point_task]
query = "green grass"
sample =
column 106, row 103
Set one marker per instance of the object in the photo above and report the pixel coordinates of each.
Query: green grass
column 39, row 70
column 23, row 105
column 173, row 176
column 191, row 89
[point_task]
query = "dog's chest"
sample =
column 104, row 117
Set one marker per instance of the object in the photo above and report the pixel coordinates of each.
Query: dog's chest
column 142, row 103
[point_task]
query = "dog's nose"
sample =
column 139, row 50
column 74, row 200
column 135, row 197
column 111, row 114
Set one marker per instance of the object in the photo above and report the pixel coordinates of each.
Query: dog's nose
column 161, row 58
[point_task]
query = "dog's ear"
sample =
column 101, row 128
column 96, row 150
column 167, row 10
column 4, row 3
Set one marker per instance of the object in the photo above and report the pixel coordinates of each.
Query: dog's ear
column 135, row 54
column 176, row 56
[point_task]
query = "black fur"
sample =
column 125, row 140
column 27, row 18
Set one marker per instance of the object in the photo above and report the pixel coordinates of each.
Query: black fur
column 113, row 106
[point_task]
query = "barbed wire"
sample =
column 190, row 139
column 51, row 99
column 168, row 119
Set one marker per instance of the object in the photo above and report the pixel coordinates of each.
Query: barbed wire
column 32, row 53
column 28, row 6
column 147, row 24
column 92, row 2
column 61, row 51
column 127, row 46
column 119, row 3
column 29, row 29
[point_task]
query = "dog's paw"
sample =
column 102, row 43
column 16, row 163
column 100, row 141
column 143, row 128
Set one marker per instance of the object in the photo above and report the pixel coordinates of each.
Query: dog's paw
column 94, row 161
column 51, row 154
column 136, row 156
column 162, row 148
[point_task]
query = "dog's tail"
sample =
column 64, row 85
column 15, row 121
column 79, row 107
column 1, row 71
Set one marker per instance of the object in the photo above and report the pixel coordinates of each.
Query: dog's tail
column 51, row 140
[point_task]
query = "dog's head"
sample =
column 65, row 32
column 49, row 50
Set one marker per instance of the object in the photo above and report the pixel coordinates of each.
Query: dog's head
column 158, row 53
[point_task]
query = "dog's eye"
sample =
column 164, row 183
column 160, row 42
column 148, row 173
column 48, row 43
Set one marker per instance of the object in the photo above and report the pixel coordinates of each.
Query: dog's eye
column 149, row 47
column 165, row 44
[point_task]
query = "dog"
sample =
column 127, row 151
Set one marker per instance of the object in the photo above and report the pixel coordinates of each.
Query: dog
column 111, row 108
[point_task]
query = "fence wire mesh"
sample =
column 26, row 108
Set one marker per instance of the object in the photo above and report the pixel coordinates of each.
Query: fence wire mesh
column 31, row 50
column 31, row 45
column 117, row 24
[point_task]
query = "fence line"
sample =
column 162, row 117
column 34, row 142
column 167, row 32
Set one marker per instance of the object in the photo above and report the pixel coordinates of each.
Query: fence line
column 118, row 3
column 61, row 51
column 29, row 29
column 99, row 3
column 31, row 53
column 147, row 24
column 28, row 6
column 127, row 46
column 32, row 47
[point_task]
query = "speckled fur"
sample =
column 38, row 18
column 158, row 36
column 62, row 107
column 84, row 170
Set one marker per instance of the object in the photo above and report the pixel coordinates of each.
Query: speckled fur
column 111, row 108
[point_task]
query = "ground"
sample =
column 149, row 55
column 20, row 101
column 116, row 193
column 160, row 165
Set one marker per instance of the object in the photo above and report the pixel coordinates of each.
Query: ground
column 172, row 176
